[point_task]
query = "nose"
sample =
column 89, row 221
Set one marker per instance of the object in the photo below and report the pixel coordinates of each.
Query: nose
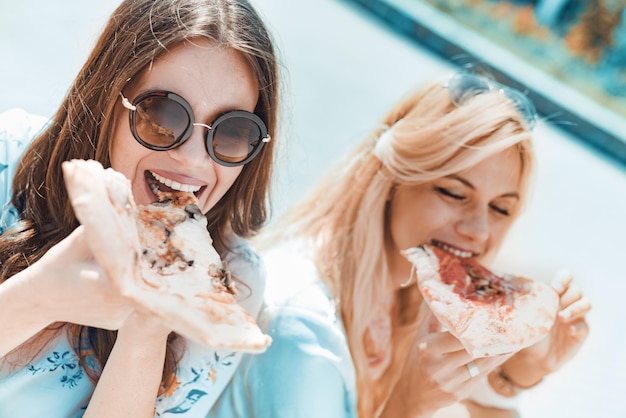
column 192, row 153
column 474, row 225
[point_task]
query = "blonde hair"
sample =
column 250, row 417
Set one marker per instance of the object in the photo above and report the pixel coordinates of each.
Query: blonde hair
column 428, row 137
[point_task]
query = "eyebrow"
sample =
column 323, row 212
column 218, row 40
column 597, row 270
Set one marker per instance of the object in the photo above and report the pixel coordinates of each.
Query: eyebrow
column 471, row 186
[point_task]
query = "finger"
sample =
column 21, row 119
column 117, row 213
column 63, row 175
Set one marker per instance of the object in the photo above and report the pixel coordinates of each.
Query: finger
column 458, row 358
column 454, row 368
column 77, row 237
column 576, row 311
column 76, row 245
column 561, row 281
column 442, row 342
column 579, row 330
column 452, row 375
column 571, row 295
column 488, row 364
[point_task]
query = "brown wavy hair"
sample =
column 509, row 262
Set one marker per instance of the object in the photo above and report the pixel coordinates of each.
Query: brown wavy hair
column 136, row 34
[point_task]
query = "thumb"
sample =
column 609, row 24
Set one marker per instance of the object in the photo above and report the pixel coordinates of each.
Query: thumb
column 77, row 244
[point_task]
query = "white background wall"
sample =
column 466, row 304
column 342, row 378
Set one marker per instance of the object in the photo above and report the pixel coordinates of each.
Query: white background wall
column 343, row 71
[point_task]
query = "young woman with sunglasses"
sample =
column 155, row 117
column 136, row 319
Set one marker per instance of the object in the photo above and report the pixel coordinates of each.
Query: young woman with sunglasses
column 450, row 167
column 177, row 94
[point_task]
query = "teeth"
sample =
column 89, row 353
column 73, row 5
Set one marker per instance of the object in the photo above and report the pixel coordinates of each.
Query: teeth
column 154, row 188
column 176, row 185
column 456, row 252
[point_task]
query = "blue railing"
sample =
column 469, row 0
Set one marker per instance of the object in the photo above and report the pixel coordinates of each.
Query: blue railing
column 558, row 103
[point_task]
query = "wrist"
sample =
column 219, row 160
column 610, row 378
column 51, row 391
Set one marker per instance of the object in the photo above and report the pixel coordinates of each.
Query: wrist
column 503, row 384
column 142, row 348
column 40, row 311
column 524, row 370
column 141, row 339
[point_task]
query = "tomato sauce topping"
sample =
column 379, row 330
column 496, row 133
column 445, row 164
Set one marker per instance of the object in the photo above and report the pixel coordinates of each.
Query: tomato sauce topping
column 476, row 283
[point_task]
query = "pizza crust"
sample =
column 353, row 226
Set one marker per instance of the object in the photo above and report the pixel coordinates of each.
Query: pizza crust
column 486, row 326
column 161, row 257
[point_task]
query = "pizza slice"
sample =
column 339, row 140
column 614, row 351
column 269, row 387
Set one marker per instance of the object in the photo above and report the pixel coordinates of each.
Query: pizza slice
column 161, row 257
column 491, row 314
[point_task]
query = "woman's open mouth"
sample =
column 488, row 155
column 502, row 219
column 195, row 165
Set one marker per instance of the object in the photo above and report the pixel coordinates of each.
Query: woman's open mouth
column 159, row 184
column 452, row 250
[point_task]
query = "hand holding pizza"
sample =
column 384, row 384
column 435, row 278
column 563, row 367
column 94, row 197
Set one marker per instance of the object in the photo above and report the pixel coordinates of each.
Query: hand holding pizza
column 161, row 257
column 562, row 343
column 76, row 286
column 437, row 372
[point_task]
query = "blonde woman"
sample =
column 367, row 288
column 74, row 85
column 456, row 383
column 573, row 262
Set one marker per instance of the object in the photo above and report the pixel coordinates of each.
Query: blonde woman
column 451, row 168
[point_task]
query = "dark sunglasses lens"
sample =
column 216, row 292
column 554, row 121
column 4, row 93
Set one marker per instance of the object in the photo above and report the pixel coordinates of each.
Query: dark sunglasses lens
column 523, row 105
column 235, row 138
column 160, row 121
column 462, row 87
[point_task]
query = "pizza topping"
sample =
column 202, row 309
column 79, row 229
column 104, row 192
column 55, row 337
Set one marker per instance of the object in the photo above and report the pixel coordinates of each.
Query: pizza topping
column 491, row 314
column 161, row 256
column 475, row 282
column 227, row 280
column 193, row 211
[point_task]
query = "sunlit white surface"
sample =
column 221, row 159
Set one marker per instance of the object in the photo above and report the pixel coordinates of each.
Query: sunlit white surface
column 343, row 71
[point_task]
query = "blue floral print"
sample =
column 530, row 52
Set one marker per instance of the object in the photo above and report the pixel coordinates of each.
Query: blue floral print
column 66, row 362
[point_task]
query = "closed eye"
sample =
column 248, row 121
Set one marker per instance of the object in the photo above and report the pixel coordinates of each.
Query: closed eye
column 500, row 210
column 448, row 193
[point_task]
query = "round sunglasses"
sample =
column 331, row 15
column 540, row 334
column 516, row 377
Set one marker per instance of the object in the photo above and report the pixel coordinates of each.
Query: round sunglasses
column 162, row 120
column 464, row 85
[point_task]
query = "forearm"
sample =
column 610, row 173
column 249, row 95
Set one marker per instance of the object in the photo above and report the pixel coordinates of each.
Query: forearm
column 22, row 311
column 130, row 381
column 393, row 410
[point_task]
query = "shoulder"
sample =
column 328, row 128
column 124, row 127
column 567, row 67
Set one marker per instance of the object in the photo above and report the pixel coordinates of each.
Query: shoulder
column 307, row 371
column 17, row 129
column 309, row 353
column 19, row 125
column 299, row 313
column 308, row 319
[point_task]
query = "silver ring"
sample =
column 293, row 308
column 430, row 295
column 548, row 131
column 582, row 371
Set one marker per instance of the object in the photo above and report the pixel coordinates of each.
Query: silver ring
column 472, row 368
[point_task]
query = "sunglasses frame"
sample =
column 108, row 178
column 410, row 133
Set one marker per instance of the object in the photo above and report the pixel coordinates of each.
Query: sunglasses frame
column 208, row 142
column 480, row 84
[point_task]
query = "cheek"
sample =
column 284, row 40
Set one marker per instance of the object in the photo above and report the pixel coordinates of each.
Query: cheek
column 499, row 231
column 226, row 177
column 125, row 151
column 119, row 149
column 411, row 217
